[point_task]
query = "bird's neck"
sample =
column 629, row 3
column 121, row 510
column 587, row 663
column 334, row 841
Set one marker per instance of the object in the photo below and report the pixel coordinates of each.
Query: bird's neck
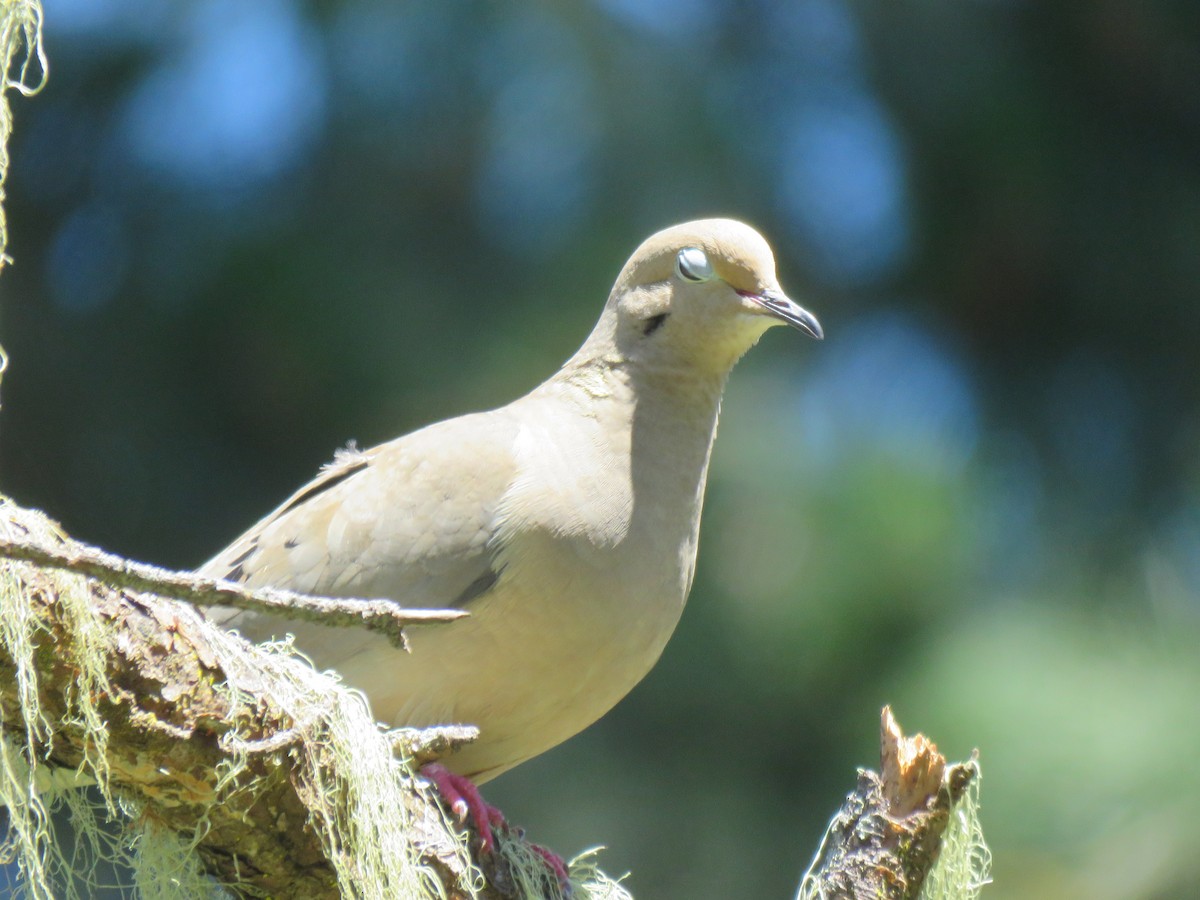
column 668, row 393
column 658, row 412
column 666, row 417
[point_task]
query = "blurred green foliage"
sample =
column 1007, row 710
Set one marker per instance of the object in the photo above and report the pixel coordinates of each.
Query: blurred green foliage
column 245, row 233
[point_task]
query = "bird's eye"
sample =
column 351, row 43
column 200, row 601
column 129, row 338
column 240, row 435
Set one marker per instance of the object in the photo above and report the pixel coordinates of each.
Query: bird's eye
column 693, row 265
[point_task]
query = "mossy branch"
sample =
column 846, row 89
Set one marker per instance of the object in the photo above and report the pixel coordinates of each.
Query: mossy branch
column 909, row 832
column 273, row 773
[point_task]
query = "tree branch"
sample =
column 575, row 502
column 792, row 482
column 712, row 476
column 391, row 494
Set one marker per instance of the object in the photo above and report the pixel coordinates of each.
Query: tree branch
column 889, row 836
column 201, row 727
column 384, row 616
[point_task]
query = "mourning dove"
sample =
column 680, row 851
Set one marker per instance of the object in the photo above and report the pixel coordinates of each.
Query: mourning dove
column 565, row 523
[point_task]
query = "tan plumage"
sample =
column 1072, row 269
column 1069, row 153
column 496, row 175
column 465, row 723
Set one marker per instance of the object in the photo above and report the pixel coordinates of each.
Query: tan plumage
column 565, row 522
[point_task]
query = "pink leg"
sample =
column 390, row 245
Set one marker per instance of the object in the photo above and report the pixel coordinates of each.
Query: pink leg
column 556, row 864
column 465, row 802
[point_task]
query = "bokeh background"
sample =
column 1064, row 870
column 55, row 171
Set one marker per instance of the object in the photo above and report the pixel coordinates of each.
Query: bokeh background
column 247, row 232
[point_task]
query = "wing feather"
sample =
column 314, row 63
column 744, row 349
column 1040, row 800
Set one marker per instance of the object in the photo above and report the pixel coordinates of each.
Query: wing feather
column 414, row 520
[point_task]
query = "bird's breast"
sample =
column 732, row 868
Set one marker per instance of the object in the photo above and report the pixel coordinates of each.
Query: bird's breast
column 594, row 548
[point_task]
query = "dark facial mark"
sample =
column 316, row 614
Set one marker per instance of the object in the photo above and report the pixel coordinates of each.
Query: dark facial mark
column 653, row 323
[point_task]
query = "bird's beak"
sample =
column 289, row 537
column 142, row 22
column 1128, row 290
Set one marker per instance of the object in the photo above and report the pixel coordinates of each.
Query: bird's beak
column 780, row 306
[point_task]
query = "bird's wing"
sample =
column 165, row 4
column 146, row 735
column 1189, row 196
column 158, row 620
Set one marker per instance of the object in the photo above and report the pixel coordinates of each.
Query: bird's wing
column 413, row 520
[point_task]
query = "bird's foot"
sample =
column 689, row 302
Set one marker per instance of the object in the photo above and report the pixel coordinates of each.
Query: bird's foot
column 466, row 802
column 555, row 864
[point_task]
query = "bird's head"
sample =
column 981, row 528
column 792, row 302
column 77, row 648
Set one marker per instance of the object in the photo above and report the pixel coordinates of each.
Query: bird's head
column 701, row 294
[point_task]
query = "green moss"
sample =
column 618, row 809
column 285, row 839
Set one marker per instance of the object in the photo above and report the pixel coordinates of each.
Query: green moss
column 964, row 865
column 24, row 70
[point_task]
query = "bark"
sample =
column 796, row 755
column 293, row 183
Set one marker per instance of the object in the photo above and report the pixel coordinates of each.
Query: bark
column 886, row 838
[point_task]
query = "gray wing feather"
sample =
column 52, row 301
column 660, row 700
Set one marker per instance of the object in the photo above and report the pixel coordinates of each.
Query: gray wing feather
column 413, row 521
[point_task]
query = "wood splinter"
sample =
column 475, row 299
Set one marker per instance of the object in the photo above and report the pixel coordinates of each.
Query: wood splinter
column 886, row 837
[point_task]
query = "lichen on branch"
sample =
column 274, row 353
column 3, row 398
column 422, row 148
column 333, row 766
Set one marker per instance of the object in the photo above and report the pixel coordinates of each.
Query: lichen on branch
column 240, row 764
column 24, row 69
